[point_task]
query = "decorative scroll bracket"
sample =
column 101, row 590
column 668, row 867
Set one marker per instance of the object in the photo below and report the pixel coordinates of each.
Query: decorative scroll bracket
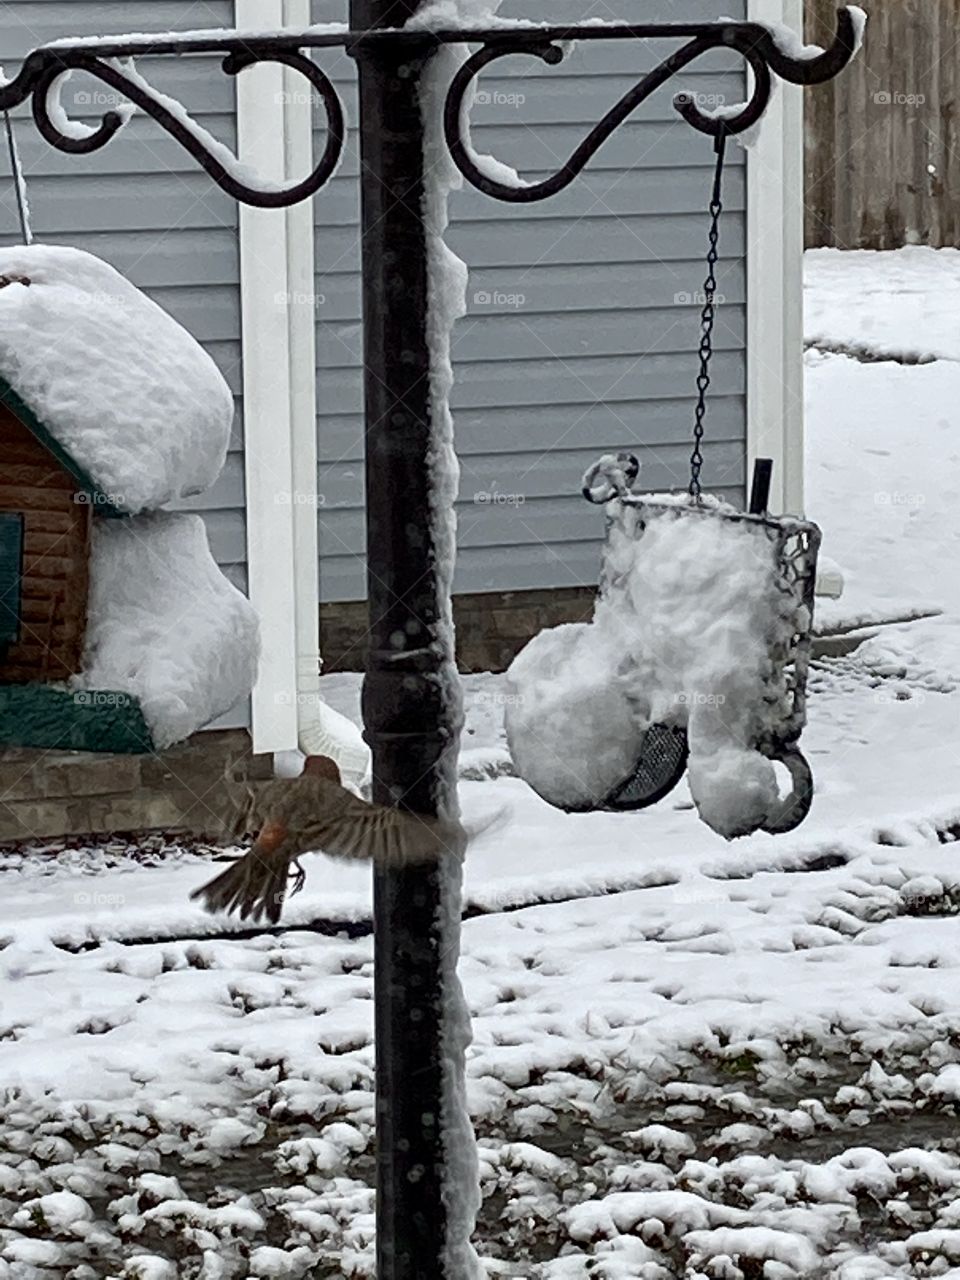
column 755, row 43
column 106, row 59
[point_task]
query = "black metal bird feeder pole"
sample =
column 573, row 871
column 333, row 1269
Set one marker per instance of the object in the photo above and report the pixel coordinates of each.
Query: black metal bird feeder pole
column 411, row 724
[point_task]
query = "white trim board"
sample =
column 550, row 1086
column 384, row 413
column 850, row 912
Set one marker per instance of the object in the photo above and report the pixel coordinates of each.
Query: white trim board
column 267, row 396
column 302, row 325
column 775, row 427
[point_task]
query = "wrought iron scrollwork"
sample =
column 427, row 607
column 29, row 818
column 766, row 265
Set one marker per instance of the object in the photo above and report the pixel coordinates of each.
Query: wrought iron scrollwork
column 755, row 43
column 45, row 67
column 105, row 59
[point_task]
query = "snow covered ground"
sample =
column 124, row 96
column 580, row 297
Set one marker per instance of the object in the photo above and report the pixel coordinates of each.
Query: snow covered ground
column 902, row 303
column 696, row 1059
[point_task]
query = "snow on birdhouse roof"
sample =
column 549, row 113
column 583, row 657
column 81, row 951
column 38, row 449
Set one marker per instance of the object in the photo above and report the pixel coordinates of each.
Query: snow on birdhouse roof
column 123, row 389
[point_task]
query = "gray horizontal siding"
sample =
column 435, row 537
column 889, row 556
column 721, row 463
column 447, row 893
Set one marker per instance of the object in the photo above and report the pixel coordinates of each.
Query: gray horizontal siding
column 544, row 384
column 576, row 240
column 142, row 146
column 624, row 194
column 148, row 204
column 536, row 483
column 532, row 335
column 169, row 258
column 588, row 425
column 143, row 204
column 551, row 288
column 663, row 144
column 600, row 354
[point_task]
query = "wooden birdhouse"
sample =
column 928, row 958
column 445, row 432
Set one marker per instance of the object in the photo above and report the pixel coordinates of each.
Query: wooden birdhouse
column 48, row 506
column 45, row 527
column 118, row 632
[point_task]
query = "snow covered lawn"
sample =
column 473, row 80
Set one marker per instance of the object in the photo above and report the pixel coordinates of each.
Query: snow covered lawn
column 902, row 304
column 696, row 1059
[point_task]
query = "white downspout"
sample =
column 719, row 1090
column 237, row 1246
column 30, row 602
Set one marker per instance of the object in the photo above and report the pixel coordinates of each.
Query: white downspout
column 320, row 729
column 266, row 398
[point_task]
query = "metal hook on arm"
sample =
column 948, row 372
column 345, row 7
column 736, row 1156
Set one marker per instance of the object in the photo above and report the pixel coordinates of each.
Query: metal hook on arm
column 823, row 66
column 45, row 67
column 457, row 130
column 755, row 43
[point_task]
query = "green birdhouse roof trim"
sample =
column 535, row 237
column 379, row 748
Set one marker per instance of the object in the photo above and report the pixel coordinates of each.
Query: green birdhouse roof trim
column 49, row 717
column 100, row 502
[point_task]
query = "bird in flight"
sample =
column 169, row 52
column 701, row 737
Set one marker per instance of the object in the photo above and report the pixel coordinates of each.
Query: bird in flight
column 315, row 813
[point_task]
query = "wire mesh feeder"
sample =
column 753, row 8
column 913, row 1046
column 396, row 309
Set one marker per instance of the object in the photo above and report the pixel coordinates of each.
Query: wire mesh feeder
column 794, row 547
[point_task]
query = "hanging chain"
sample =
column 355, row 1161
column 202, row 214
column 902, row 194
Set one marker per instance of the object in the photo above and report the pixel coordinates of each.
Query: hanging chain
column 707, row 319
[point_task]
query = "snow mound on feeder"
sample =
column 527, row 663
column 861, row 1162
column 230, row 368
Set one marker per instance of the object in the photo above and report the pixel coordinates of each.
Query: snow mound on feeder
column 125, row 390
column 166, row 626
column 700, row 597
column 680, row 636
column 570, row 728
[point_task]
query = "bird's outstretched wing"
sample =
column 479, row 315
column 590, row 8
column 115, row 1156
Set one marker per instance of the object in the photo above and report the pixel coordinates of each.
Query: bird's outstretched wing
column 315, row 815
column 358, row 830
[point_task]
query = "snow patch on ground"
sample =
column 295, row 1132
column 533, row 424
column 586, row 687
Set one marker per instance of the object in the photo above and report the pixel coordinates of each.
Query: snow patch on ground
column 898, row 303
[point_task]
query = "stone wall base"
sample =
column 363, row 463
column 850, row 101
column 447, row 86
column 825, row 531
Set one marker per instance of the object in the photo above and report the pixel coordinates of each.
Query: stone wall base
column 492, row 627
column 52, row 794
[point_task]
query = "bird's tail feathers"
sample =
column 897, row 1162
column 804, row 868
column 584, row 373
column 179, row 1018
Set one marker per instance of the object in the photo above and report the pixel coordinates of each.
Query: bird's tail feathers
column 253, row 886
